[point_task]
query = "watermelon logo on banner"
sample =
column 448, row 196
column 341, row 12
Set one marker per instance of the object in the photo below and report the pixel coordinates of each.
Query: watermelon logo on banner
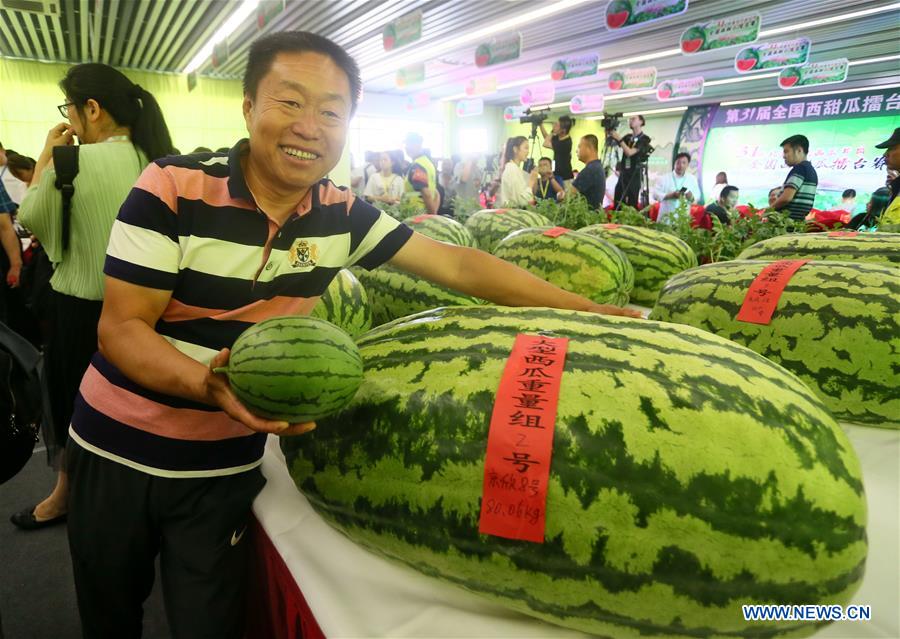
column 621, row 14
column 718, row 34
column 814, row 74
column 773, row 55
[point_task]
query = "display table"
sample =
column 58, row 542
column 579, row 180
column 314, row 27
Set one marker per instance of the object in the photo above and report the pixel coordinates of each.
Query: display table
column 312, row 581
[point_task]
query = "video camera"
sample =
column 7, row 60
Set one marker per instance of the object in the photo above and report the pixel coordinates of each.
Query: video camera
column 611, row 121
column 534, row 117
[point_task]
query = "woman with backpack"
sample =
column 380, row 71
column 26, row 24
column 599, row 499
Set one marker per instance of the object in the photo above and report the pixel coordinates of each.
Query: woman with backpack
column 120, row 129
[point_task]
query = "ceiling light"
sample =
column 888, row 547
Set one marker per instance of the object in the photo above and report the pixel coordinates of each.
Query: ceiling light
column 230, row 26
column 791, row 96
column 430, row 51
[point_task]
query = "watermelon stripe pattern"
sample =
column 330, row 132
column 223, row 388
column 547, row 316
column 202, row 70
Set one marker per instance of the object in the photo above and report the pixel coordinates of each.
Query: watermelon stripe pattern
column 345, row 304
column 654, row 255
column 442, row 229
column 489, row 226
column 689, row 474
column 573, row 261
column 294, row 368
column 394, row 293
column 836, row 326
column 878, row 248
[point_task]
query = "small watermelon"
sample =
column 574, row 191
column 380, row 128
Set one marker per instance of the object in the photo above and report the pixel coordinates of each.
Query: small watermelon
column 489, row 226
column 345, row 304
column 294, row 368
column 880, row 248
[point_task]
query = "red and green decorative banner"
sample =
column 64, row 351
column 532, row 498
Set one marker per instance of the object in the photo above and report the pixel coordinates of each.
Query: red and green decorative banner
column 468, row 108
column 578, row 67
column 413, row 74
column 220, row 54
column 482, row 86
column 418, row 101
column 621, row 14
column 815, row 74
column 592, row 103
column 266, row 10
column 513, row 113
column 497, row 50
column 627, row 79
column 402, row 31
column 772, row 55
column 678, row 89
column 718, row 34
column 537, row 94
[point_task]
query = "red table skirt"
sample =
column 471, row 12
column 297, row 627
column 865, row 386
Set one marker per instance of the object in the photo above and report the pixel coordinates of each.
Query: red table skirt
column 276, row 609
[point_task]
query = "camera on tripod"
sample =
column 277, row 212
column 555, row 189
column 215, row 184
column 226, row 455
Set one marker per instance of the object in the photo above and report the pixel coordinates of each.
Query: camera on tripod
column 611, row 121
column 535, row 118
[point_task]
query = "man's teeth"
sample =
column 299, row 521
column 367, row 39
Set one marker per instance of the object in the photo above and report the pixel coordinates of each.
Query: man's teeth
column 297, row 153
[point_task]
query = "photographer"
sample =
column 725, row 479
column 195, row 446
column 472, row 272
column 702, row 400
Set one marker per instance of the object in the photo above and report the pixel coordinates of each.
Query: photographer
column 635, row 152
column 548, row 186
column 561, row 144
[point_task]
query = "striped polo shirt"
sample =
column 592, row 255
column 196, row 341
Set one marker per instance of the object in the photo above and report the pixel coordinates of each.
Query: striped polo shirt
column 190, row 226
column 804, row 178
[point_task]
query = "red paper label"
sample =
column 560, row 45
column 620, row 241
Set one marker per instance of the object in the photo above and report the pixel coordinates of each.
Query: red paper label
column 611, row 226
column 556, row 231
column 843, row 234
column 500, row 211
column 765, row 291
column 520, row 441
column 421, row 218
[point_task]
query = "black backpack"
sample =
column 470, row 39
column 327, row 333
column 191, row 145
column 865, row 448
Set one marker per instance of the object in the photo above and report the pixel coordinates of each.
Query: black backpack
column 24, row 402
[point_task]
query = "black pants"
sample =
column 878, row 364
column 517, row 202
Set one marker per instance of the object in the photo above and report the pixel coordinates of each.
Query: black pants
column 628, row 188
column 121, row 518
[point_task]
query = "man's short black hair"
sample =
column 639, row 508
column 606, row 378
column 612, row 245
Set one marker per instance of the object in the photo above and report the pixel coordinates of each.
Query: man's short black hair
column 849, row 193
column 682, row 154
column 545, row 158
column 641, row 118
column 797, row 142
column 592, row 140
column 728, row 190
column 566, row 122
column 264, row 50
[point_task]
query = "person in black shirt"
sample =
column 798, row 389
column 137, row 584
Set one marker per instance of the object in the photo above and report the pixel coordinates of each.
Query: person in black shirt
column 561, row 144
column 548, row 186
column 591, row 180
column 634, row 147
column 727, row 200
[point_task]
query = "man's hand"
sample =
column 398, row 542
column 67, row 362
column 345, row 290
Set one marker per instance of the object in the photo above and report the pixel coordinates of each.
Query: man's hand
column 12, row 275
column 615, row 135
column 689, row 196
column 219, row 393
column 609, row 309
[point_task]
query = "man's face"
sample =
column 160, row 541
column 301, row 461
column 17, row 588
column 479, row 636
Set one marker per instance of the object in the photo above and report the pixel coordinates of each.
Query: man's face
column 384, row 163
column 556, row 128
column 681, row 165
column 2, row 157
column 792, row 155
column 634, row 122
column 773, row 195
column 892, row 157
column 583, row 150
column 731, row 200
column 545, row 168
column 298, row 119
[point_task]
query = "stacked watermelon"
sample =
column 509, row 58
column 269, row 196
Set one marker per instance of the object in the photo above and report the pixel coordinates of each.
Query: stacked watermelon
column 881, row 248
column 572, row 261
column 345, row 304
column 489, row 226
column 836, row 326
column 293, row 368
column 689, row 474
column 441, row 228
column 655, row 256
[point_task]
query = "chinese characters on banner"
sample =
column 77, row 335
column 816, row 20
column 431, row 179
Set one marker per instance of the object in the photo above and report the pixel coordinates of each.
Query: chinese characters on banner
column 520, row 440
column 765, row 291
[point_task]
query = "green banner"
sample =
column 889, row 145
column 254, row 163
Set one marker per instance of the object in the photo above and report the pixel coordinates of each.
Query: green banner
column 772, row 55
column 677, row 89
column 815, row 74
column 497, row 50
column 578, row 67
column 621, row 14
column 628, row 79
column 402, row 31
column 413, row 74
column 718, row 34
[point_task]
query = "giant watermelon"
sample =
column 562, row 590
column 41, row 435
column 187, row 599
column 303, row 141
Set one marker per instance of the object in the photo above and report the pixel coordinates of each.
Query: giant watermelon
column 655, row 256
column 345, row 304
column 489, row 226
column 880, row 248
column 441, row 228
column 689, row 475
column 836, row 326
column 572, row 261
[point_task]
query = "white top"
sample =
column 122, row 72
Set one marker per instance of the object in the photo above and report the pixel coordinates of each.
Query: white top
column 715, row 193
column 672, row 182
column 15, row 187
column 514, row 189
column 611, row 181
column 378, row 186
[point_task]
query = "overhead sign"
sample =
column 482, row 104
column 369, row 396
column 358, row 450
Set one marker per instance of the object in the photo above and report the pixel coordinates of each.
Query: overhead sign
column 578, row 67
column 772, row 55
column 815, row 74
column 413, row 74
column 482, row 86
column 513, row 113
column 499, row 49
column 621, row 14
column 418, row 101
column 266, row 11
column 537, row 94
column 628, row 79
column 220, row 53
column 718, row 34
column 468, row 108
column 677, row 89
column 402, row 31
column 586, row 103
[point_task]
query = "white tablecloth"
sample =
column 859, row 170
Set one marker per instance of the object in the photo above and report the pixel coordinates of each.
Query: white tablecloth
column 354, row 593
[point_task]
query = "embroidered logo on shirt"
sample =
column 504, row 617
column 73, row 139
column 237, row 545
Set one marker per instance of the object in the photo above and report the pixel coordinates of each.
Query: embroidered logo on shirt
column 303, row 253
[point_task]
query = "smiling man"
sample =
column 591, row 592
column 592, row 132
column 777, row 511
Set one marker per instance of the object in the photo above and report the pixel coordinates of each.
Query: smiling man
column 165, row 459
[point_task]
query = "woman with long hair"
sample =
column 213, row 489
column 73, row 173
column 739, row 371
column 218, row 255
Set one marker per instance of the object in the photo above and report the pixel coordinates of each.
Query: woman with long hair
column 875, row 208
column 120, row 129
column 516, row 186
